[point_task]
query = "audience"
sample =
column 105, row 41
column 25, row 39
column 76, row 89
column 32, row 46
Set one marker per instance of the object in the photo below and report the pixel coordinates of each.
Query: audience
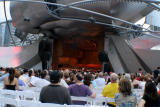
column 125, row 97
column 82, row 83
column 55, row 93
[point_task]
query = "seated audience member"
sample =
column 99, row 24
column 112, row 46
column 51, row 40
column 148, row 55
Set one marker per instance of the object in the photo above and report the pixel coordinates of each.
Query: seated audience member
column 72, row 75
column 39, row 82
column 150, row 97
column 43, row 82
column 142, row 82
column 25, row 77
column 55, row 93
column 63, row 82
column 87, row 80
column 80, row 90
column 93, row 82
column 111, row 89
column 6, row 74
column 66, row 77
column 125, row 97
column 10, row 82
column 100, row 81
column 17, row 75
column 135, row 82
column 32, row 78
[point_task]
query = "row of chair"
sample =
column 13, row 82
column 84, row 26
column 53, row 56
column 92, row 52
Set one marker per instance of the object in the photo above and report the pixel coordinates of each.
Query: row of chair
column 34, row 97
column 25, row 103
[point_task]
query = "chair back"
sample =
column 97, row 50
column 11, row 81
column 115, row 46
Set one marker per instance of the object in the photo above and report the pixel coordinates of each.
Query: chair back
column 26, row 95
column 25, row 103
column 51, row 105
column 8, row 101
column 8, row 94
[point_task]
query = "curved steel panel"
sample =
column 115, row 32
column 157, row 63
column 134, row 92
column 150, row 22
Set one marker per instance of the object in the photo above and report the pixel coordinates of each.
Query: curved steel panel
column 17, row 56
column 35, row 17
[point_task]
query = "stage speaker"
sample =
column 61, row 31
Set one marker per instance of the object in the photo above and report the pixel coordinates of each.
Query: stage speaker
column 45, row 49
column 106, row 68
column 103, row 57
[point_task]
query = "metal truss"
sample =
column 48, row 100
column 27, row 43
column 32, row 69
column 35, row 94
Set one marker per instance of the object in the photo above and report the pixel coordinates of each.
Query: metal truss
column 16, row 41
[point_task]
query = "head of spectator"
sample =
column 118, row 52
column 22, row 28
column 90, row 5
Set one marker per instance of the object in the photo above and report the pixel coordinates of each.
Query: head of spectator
column 133, row 77
column 43, row 74
column 87, row 79
column 30, row 73
column 125, row 87
column 151, row 90
column 148, row 77
column 78, row 78
column 66, row 75
column 25, row 71
column 36, row 73
column 11, row 75
column 100, row 75
column 7, row 70
column 17, row 73
column 114, row 78
column 55, row 77
column 127, row 76
column 61, row 74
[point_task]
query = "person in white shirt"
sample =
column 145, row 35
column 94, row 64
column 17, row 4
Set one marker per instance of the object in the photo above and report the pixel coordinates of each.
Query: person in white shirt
column 100, row 81
column 39, row 82
column 63, row 82
column 25, row 77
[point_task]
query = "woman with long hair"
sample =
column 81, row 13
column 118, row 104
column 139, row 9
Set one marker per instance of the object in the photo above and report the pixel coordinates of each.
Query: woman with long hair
column 150, row 97
column 10, row 82
column 125, row 97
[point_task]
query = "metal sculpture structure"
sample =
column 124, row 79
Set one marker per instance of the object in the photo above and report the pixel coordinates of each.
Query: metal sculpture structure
column 62, row 18
column 81, row 24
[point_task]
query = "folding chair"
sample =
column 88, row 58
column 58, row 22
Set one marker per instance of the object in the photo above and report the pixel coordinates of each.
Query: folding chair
column 8, row 94
column 51, row 105
column 26, row 103
column 26, row 95
column 8, row 101
column 86, row 99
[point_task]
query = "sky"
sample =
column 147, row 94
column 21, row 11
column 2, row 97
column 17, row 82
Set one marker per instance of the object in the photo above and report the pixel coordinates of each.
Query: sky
column 2, row 15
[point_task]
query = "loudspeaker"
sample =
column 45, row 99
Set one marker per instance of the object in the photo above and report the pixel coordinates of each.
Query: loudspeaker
column 45, row 49
column 103, row 57
column 107, row 68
